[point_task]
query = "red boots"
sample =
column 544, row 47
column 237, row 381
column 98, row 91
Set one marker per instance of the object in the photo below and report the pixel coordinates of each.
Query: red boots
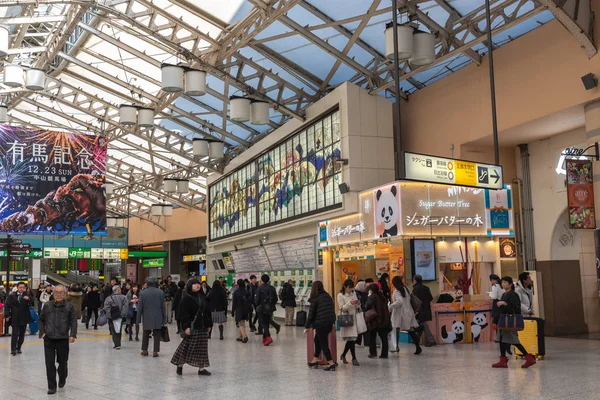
column 267, row 341
column 503, row 363
column 529, row 361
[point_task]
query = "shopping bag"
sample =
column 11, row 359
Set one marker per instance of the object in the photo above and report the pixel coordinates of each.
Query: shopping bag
column 33, row 326
column 361, row 324
column 84, row 317
column 164, row 335
column 117, row 324
column 101, row 320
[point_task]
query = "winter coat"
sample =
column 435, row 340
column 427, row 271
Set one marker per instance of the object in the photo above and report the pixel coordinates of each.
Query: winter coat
column 151, row 311
column 403, row 316
column 382, row 321
column 116, row 300
column 58, row 320
column 385, row 289
column 526, row 297
column 321, row 313
column 288, row 297
column 262, row 294
column 424, row 294
column 346, row 307
column 177, row 302
column 93, row 300
column 18, row 311
column 45, row 297
column 75, row 298
column 192, row 305
column 218, row 300
column 132, row 305
column 239, row 307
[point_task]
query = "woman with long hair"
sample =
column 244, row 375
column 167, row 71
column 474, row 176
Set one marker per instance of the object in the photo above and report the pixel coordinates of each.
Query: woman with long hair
column 403, row 316
column 321, row 318
column 377, row 317
column 196, row 323
column 217, row 299
column 349, row 303
column 133, row 297
column 510, row 304
column 239, row 309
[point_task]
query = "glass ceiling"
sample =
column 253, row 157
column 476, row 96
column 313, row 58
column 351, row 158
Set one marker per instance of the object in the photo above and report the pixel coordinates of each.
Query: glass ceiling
column 302, row 51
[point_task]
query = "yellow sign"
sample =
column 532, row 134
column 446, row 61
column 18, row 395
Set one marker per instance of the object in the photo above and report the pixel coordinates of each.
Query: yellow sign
column 466, row 173
column 187, row 258
column 124, row 254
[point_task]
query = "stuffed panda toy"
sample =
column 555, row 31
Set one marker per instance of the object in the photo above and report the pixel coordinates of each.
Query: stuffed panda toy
column 388, row 211
column 478, row 324
column 456, row 334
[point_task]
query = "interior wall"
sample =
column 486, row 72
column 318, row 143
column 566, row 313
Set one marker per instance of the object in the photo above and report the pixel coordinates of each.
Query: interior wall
column 182, row 225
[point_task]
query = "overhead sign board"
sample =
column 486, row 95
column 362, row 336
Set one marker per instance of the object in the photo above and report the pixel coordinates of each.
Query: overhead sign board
column 194, row 257
column 56, row 252
column 153, row 262
column 448, row 171
column 105, row 254
column 80, row 252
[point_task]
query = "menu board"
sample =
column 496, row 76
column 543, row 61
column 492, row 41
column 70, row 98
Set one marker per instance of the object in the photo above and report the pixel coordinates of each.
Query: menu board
column 300, row 253
column 249, row 260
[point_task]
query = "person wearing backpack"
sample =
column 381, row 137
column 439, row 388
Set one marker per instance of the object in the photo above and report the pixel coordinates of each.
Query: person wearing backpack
column 266, row 299
column 116, row 306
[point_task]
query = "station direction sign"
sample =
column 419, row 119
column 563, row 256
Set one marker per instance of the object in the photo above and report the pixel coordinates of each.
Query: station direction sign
column 56, row 252
column 80, row 252
column 449, row 171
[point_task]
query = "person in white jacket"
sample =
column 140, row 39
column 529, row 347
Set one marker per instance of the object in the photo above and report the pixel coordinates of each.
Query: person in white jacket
column 403, row 315
column 524, row 288
column 348, row 303
column 46, row 295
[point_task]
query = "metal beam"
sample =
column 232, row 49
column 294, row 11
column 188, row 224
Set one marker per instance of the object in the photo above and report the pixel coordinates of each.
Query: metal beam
column 39, row 19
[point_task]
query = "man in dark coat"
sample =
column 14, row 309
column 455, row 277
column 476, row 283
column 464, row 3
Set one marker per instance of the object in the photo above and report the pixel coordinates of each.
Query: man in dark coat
column 265, row 302
column 288, row 301
column 152, row 315
column 92, row 305
column 58, row 328
column 424, row 315
column 18, row 315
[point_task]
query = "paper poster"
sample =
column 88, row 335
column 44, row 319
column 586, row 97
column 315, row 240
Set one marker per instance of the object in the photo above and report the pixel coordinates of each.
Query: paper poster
column 580, row 190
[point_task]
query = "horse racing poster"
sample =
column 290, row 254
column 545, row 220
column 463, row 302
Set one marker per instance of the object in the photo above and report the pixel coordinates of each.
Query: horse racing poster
column 52, row 182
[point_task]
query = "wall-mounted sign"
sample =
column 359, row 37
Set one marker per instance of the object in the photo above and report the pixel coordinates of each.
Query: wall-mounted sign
column 508, row 247
column 80, row 252
column 124, row 254
column 580, row 190
column 194, row 257
column 153, row 262
column 499, row 212
column 348, row 230
column 423, row 258
column 147, row 254
column 56, row 252
column 424, row 168
column 355, row 253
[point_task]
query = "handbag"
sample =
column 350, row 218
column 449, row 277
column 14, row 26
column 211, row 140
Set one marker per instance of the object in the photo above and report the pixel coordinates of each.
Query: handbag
column 415, row 303
column 346, row 320
column 511, row 322
column 130, row 312
column 361, row 324
column 370, row 315
column 164, row 334
column 101, row 320
column 84, row 317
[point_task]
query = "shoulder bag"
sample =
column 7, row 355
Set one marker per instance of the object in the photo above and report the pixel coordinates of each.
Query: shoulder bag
column 415, row 302
column 370, row 315
column 182, row 332
column 346, row 320
column 511, row 322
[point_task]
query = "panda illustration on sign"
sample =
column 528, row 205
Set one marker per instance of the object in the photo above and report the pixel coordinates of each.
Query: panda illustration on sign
column 388, row 211
column 456, row 334
column 478, row 324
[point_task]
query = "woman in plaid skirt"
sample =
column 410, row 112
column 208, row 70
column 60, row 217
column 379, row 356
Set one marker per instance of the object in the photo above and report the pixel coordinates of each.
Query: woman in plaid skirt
column 196, row 323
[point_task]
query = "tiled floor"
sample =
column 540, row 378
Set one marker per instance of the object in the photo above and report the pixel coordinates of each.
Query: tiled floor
column 250, row 371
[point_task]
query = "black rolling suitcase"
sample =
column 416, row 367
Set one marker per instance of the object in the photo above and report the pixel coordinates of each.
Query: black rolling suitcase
column 533, row 338
column 301, row 318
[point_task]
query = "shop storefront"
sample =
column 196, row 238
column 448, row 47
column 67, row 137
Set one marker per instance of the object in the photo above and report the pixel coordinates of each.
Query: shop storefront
column 447, row 234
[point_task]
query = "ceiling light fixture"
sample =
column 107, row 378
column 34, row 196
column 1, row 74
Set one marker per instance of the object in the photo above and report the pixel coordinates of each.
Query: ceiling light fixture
column 239, row 109
column 171, row 78
column 423, row 49
column 405, row 41
column 195, row 82
column 259, row 112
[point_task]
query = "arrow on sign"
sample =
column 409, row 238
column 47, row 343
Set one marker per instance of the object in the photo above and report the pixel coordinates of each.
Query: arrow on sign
column 495, row 176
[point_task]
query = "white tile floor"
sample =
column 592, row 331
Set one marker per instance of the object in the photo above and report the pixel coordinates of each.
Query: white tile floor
column 96, row 371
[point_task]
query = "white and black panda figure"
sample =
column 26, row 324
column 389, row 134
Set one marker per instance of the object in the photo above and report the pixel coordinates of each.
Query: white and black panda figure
column 456, row 334
column 478, row 324
column 388, row 211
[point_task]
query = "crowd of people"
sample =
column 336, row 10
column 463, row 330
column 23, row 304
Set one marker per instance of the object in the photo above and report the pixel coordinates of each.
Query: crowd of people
column 371, row 311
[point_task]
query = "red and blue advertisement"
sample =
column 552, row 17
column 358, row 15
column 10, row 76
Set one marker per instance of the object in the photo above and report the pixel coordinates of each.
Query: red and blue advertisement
column 52, row 182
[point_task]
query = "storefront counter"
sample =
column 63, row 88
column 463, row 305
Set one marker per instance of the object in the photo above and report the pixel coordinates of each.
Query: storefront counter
column 462, row 322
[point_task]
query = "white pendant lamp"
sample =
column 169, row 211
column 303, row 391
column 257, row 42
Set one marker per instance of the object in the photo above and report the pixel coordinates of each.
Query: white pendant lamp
column 146, row 117
column 3, row 114
column 424, row 49
column 128, row 114
column 259, row 112
column 13, row 75
column 109, row 187
column 216, row 149
column 167, row 210
column 172, row 78
column 156, row 210
column 35, row 79
column 4, row 43
column 405, row 41
column 239, row 109
column 200, row 147
column 195, row 82
column 170, row 185
column 183, row 186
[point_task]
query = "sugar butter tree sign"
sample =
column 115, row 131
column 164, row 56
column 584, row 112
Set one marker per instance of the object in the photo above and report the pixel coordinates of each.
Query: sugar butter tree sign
column 449, row 171
column 51, row 182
